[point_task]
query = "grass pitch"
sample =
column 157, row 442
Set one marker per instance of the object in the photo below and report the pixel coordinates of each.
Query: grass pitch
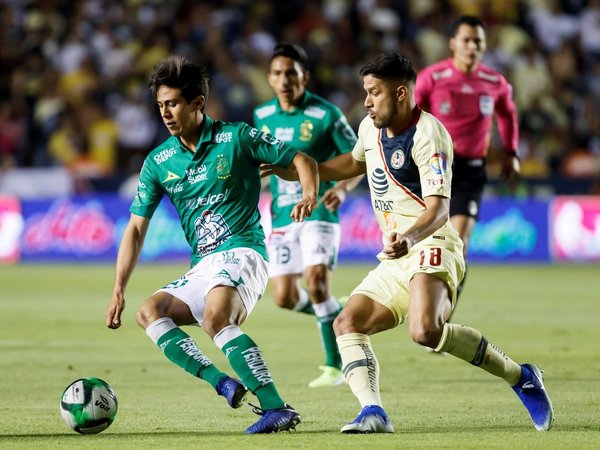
column 53, row 332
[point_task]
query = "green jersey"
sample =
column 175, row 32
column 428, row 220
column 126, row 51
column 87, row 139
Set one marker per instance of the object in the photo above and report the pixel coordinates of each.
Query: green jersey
column 215, row 189
column 317, row 128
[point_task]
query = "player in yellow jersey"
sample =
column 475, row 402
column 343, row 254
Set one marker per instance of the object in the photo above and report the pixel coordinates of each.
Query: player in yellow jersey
column 407, row 156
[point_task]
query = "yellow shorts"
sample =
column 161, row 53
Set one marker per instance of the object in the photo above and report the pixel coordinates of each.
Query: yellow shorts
column 388, row 283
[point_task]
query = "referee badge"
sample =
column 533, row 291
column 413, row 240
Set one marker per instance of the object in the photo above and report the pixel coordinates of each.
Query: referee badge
column 486, row 105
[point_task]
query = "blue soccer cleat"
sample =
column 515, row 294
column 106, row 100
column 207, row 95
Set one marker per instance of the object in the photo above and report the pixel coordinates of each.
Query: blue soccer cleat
column 233, row 391
column 371, row 419
column 532, row 393
column 274, row 420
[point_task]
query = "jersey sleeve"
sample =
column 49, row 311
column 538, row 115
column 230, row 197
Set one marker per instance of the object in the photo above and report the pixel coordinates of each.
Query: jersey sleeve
column 264, row 147
column 358, row 152
column 149, row 192
column 423, row 88
column 433, row 155
column 506, row 118
column 342, row 134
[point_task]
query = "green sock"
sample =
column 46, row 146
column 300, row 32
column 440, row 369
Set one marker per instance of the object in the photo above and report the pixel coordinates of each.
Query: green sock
column 304, row 305
column 181, row 349
column 328, row 340
column 246, row 359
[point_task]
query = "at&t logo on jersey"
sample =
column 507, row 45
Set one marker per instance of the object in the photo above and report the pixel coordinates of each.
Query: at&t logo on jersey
column 379, row 183
column 439, row 163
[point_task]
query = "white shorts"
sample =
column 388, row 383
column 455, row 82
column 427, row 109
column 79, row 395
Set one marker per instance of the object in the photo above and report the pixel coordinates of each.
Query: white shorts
column 242, row 268
column 300, row 245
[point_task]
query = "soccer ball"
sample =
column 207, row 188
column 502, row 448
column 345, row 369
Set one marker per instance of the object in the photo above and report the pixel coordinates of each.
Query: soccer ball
column 88, row 405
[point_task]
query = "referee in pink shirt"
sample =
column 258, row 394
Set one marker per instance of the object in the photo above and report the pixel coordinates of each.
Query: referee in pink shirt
column 464, row 95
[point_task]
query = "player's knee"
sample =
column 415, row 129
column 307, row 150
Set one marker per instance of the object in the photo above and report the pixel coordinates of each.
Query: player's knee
column 345, row 323
column 213, row 322
column 285, row 300
column 425, row 334
column 146, row 314
column 284, row 295
column 317, row 287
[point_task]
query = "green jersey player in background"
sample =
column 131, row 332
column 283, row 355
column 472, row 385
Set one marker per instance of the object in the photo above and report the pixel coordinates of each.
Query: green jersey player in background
column 210, row 172
column 318, row 128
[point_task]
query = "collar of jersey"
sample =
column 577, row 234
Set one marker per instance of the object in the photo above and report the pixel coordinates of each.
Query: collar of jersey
column 300, row 107
column 205, row 134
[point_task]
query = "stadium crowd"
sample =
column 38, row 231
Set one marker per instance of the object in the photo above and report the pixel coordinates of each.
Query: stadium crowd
column 73, row 77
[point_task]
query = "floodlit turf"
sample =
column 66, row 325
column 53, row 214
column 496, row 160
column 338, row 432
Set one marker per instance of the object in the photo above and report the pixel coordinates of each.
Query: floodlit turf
column 52, row 332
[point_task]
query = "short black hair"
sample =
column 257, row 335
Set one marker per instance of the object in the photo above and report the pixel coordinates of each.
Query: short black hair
column 180, row 73
column 472, row 21
column 292, row 51
column 390, row 65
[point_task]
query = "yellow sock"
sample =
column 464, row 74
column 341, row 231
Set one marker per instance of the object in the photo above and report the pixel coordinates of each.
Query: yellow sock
column 360, row 367
column 468, row 344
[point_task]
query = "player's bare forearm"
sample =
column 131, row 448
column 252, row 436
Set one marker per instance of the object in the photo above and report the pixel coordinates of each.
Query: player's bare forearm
column 333, row 197
column 308, row 175
column 511, row 166
column 433, row 218
column 350, row 183
column 341, row 167
column 289, row 174
column 306, row 167
column 129, row 251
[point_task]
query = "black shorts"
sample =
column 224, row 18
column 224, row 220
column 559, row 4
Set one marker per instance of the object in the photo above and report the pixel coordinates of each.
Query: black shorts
column 468, row 180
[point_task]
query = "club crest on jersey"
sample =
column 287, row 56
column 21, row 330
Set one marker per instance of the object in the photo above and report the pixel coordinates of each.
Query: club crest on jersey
column 397, row 159
column 379, row 183
column 306, row 131
column 223, row 167
column 439, row 163
column 486, row 105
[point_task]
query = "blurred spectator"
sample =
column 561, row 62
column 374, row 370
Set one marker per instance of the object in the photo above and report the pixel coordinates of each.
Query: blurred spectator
column 137, row 126
column 59, row 59
column 12, row 130
column 67, row 141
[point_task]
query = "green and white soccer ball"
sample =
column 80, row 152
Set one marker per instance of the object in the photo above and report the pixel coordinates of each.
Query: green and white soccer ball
column 88, row 405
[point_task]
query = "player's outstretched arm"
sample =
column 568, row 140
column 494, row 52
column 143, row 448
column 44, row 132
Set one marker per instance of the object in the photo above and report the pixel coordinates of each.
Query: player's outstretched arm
column 306, row 167
column 127, row 257
column 341, row 167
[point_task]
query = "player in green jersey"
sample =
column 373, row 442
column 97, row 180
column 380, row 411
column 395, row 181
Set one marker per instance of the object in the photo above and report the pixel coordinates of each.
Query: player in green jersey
column 210, row 172
column 318, row 128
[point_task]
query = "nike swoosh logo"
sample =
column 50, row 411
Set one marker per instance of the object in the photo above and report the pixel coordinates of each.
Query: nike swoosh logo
column 368, row 149
column 528, row 385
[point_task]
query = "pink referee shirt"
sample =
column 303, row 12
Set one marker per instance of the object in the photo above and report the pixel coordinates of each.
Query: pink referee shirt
column 466, row 103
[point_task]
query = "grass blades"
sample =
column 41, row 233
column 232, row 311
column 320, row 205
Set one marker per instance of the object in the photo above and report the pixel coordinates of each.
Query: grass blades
column 53, row 332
